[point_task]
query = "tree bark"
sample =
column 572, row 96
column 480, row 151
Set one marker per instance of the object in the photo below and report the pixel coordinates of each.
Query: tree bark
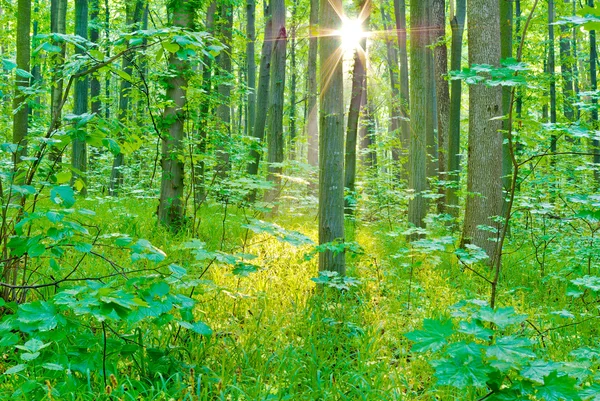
column 262, row 95
column 251, row 65
column 58, row 16
column 331, row 140
column 419, row 77
column 293, row 83
column 225, row 29
column 458, row 25
column 276, row 99
column 440, row 54
column 484, row 167
column 171, row 208
column 400, row 16
column 506, row 44
column 594, row 86
column 20, row 107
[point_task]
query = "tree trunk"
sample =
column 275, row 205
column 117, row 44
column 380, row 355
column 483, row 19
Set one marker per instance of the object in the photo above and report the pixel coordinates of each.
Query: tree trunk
column 400, row 14
column 225, row 29
column 204, row 112
column 419, row 77
column 262, row 95
column 20, row 107
column 312, row 125
column 134, row 12
column 94, row 37
column 293, row 83
column 251, row 64
column 594, row 86
column 356, row 100
column 551, row 72
column 458, row 25
column 58, row 16
column 566, row 69
column 506, row 44
column 277, row 91
column 431, row 122
column 79, row 158
column 331, row 140
column 108, row 46
column 440, row 54
column 484, row 168
column 171, row 209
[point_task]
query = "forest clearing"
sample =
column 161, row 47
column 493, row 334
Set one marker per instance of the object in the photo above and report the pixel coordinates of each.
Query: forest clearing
column 299, row 200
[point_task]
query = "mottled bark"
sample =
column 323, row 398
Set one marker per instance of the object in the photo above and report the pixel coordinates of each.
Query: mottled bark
column 312, row 124
column 20, row 107
column 331, row 140
column 484, row 168
column 225, row 29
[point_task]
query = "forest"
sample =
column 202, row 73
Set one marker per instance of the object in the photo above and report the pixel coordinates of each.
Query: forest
column 299, row 200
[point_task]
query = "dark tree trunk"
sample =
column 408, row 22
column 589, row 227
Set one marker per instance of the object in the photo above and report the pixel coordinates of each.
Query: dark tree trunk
column 400, row 14
column 20, row 107
column 225, row 29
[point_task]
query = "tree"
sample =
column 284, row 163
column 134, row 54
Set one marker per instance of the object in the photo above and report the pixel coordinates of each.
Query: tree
column 594, row 86
column 331, row 139
column 262, row 95
column 20, row 107
column 79, row 156
column 484, row 165
column 359, row 76
column 276, row 98
column 506, row 44
column 225, row 34
column 400, row 16
column 419, row 115
column 251, row 64
column 171, row 207
column 457, row 23
column 440, row 53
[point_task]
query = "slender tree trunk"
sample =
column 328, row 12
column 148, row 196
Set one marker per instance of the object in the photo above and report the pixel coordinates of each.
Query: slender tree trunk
column 431, row 122
column 108, row 46
column 551, row 72
column 506, row 44
column 575, row 58
column 419, row 77
column 225, row 29
column 356, row 99
column 395, row 112
column 94, row 38
column 312, row 125
column 484, row 168
column 331, row 140
column 566, row 69
column 79, row 158
column 251, row 64
column 134, row 12
column 440, row 54
column 262, row 95
column 200, row 166
column 458, row 25
column 594, row 86
column 171, row 208
column 293, row 83
column 276, row 99
column 58, row 15
column 20, row 107
column 400, row 16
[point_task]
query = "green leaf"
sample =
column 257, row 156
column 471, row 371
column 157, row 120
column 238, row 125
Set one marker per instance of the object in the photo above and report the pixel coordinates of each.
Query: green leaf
column 38, row 316
column 8, row 64
column 63, row 195
column 198, row 327
column 15, row 369
column 53, row 366
column 244, row 269
column 511, row 349
column 591, row 393
column 501, row 317
column 475, row 328
column 50, row 48
column 589, row 282
column 537, row 370
column 558, row 388
column 432, row 337
column 462, row 372
column 26, row 356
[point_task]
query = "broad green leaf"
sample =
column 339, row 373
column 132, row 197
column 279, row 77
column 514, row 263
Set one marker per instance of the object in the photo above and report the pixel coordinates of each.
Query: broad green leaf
column 475, row 328
column 63, row 195
column 244, row 269
column 198, row 327
column 589, row 282
column 511, row 349
column 53, row 366
column 432, row 337
column 462, row 372
column 501, row 317
column 38, row 316
column 591, row 393
column 558, row 388
column 538, row 369
column 26, row 356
